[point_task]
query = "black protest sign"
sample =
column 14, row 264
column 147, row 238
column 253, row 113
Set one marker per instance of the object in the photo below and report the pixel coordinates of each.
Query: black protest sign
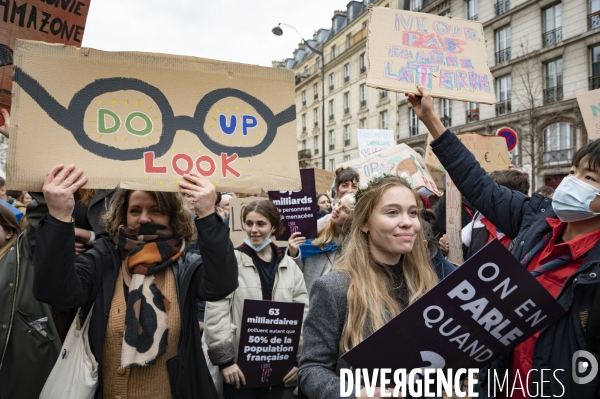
column 298, row 209
column 269, row 341
column 482, row 310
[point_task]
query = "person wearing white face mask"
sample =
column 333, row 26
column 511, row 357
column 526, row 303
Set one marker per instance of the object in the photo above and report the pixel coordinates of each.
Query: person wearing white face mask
column 265, row 272
column 557, row 240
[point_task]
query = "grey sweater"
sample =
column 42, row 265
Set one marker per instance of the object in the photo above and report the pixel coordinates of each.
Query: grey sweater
column 320, row 363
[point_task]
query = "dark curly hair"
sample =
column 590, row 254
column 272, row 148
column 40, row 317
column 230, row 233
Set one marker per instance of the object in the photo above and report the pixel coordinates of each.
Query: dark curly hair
column 170, row 204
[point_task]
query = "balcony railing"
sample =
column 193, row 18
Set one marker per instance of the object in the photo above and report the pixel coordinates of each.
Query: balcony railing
column 330, row 87
column 553, row 94
column 502, row 6
column 331, row 147
column 559, row 156
column 316, row 123
column 346, row 79
column 595, row 82
column 363, row 103
column 383, row 94
column 363, row 69
column 303, row 103
column 594, row 20
column 473, row 115
column 552, row 37
column 346, row 111
column 316, row 96
column 303, row 129
column 503, row 56
column 503, row 108
column 331, row 117
column 316, row 151
column 447, row 121
column 414, row 131
column 473, row 17
column 346, row 142
column 304, row 154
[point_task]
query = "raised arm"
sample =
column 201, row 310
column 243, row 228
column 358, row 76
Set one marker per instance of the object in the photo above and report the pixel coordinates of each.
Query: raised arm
column 219, row 271
column 58, row 279
column 503, row 207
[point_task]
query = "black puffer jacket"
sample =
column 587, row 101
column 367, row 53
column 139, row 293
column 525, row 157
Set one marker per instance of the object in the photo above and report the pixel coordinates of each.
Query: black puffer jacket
column 523, row 219
column 63, row 281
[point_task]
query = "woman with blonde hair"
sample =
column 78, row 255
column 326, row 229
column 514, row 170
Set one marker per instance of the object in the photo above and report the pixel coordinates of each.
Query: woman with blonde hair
column 384, row 267
column 318, row 255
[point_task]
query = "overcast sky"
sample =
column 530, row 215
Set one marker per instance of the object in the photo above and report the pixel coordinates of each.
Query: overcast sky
column 230, row 30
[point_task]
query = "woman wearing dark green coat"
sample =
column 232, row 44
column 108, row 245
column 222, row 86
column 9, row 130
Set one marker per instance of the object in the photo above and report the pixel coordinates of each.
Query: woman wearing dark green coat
column 29, row 344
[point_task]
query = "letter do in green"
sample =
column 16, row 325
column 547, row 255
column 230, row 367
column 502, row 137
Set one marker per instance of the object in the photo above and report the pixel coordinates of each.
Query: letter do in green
column 102, row 128
column 143, row 132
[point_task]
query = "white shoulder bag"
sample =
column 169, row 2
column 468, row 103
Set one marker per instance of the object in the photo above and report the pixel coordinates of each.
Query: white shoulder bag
column 75, row 373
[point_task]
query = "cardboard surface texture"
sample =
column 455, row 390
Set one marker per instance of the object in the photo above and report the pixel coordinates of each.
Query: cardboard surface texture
column 323, row 180
column 396, row 160
column 52, row 21
column 143, row 120
column 371, row 141
column 490, row 151
column 446, row 55
column 589, row 105
column 454, row 222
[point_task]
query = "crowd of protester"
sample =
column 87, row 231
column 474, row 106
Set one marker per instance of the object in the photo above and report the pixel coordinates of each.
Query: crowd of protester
column 122, row 255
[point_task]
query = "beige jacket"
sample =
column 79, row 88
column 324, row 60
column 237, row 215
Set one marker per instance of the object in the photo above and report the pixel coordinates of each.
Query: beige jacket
column 223, row 319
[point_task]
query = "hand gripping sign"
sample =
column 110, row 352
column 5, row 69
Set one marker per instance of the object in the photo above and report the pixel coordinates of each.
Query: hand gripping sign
column 130, row 123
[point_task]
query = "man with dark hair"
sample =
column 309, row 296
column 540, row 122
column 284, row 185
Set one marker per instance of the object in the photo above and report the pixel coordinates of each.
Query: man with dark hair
column 546, row 191
column 480, row 230
column 512, row 179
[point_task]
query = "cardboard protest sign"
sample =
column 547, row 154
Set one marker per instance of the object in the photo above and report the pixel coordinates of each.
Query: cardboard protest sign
column 490, row 151
column 446, row 55
column 143, row 120
column 269, row 340
column 323, row 180
column 52, row 21
column 237, row 234
column 371, row 141
column 482, row 310
column 589, row 105
column 298, row 209
column 396, row 160
column 454, row 222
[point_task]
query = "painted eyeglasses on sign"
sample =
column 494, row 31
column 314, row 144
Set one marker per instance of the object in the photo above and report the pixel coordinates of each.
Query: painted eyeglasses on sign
column 152, row 128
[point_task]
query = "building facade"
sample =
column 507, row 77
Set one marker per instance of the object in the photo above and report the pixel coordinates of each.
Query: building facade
column 542, row 53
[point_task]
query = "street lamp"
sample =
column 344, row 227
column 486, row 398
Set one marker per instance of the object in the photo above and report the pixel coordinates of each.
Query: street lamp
column 277, row 31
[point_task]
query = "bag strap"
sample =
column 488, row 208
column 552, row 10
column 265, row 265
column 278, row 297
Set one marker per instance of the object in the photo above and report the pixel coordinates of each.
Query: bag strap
column 97, row 284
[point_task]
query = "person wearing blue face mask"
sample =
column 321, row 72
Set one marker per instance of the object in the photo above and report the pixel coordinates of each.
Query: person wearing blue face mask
column 557, row 240
column 265, row 272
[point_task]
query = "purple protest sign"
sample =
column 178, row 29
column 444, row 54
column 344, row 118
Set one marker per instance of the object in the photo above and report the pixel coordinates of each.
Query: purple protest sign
column 269, row 339
column 298, row 209
column 482, row 310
